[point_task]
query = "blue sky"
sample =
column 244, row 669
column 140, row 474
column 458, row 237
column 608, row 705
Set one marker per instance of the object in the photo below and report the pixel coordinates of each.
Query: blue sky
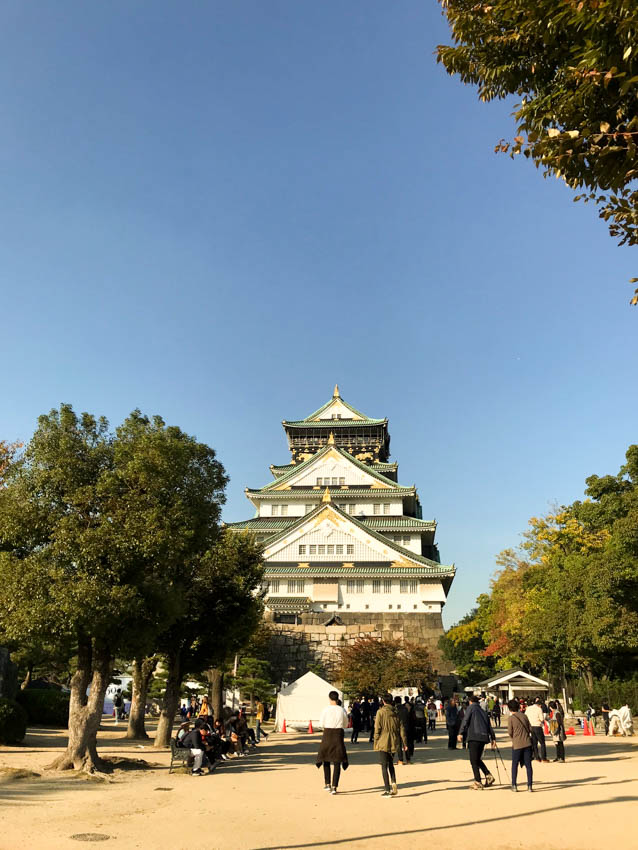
column 215, row 211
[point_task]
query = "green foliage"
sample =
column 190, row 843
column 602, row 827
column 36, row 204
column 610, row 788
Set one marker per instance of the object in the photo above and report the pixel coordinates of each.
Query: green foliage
column 613, row 691
column 465, row 644
column 574, row 66
column 253, row 679
column 45, row 707
column 567, row 600
column 373, row 667
column 13, row 721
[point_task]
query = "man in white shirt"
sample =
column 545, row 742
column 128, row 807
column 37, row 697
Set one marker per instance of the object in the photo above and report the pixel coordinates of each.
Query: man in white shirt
column 534, row 714
column 332, row 750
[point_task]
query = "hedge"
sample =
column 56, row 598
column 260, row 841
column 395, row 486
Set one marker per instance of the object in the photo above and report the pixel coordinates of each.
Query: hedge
column 13, row 721
column 45, row 707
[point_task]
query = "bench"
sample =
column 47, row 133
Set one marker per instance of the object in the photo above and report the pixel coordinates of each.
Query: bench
column 179, row 755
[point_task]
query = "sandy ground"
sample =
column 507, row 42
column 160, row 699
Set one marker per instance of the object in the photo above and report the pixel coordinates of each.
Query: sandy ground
column 275, row 799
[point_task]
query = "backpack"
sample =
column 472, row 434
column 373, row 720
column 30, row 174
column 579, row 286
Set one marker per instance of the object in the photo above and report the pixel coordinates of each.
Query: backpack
column 554, row 726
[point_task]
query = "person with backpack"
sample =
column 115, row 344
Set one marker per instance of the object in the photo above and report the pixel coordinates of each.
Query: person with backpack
column 118, row 705
column 389, row 737
column 479, row 732
column 557, row 730
column 519, row 729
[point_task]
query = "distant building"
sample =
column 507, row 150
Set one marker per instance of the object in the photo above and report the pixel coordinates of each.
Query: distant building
column 347, row 550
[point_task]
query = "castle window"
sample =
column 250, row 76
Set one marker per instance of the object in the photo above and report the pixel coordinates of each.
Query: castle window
column 414, row 585
column 296, row 585
column 347, row 606
column 308, row 508
column 273, row 586
column 360, row 585
column 284, row 510
column 367, row 606
column 339, row 549
column 403, row 585
column 390, row 607
column 335, row 481
column 342, row 508
column 376, row 508
column 415, row 607
column 386, row 508
column 387, row 585
column 313, row 549
column 398, row 607
column 321, row 549
column 319, row 480
column 330, row 549
column 376, row 585
column 349, row 549
column 274, row 511
column 302, row 550
column 342, row 481
column 350, row 585
column 351, row 509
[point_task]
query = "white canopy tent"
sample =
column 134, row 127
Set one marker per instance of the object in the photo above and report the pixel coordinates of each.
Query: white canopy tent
column 302, row 701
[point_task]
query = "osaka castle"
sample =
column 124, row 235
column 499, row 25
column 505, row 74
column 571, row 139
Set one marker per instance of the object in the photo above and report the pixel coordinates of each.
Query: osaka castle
column 346, row 549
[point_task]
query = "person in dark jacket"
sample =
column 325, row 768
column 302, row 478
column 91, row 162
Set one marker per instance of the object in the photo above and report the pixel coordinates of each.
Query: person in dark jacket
column 452, row 722
column 479, row 733
column 193, row 741
column 356, row 718
column 332, row 749
column 404, row 720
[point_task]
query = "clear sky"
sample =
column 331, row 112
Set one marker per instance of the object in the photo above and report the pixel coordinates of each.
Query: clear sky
column 214, row 211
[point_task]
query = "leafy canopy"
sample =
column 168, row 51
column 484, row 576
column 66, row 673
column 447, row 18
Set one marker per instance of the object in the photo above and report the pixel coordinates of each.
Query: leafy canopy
column 371, row 666
column 574, row 66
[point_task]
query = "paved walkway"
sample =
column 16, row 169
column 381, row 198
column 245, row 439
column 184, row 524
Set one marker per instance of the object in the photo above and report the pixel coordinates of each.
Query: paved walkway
column 275, row 799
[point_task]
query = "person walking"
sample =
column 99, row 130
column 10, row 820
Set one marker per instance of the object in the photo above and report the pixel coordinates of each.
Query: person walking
column 479, row 733
column 496, row 712
column 389, row 737
column 421, row 731
column 118, row 705
column 259, row 719
column 519, row 729
column 431, row 709
column 557, row 730
column 205, row 711
column 402, row 714
column 452, row 723
column 534, row 714
column 604, row 710
column 356, row 718
column 332, row 749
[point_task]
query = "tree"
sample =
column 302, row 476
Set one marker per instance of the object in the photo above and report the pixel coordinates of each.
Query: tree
column 95, row 528
column 223, row 609
column 372, row 666
column 574, row 66
column 465, row 644
column 253, row 679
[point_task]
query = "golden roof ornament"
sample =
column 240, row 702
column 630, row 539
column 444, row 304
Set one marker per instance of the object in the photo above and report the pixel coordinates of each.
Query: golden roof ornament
column 326, row 497
column 331, row 439
column 336, row 392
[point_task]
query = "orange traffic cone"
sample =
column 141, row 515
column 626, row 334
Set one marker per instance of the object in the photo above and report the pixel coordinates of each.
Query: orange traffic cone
column 586, row 727
column 570, row 731
column 593, row 731
column 283, row 728
column 310, row 729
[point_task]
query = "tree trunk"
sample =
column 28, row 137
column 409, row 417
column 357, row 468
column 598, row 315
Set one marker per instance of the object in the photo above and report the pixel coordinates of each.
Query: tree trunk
column 217, row 689
column 143, row 669
column 27, row 678
column 85, row 712
column 588, row 676
column 170, row 701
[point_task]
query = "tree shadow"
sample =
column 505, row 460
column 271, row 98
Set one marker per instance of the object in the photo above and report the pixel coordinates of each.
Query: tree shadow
column 394, row 834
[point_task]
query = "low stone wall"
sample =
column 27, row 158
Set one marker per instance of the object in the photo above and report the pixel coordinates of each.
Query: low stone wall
column 295, row 649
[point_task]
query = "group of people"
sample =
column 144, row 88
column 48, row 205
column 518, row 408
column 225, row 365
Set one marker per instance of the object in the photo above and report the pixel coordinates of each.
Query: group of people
column 392, row 722
column 412, row 712
column 212, row 741
column 618, row 721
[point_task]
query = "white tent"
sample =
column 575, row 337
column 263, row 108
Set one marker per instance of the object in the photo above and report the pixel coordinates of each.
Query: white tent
column 302, row 701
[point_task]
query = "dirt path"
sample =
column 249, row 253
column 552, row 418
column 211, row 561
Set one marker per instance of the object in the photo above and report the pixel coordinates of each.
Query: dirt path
column 275, row 799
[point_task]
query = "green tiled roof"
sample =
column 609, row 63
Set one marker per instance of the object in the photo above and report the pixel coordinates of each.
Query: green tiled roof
column 380, row 523
column 291, row 604
column 335, row 492
column 336, row 396
column 294, row 469
column 376, row 569
column 406, row 553
column 331, row 424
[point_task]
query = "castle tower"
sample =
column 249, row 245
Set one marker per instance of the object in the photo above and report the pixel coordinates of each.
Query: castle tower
column 347, row 551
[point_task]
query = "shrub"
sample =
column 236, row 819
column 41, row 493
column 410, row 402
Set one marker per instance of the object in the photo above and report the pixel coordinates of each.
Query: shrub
column 45, row 707
column 13, row 721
